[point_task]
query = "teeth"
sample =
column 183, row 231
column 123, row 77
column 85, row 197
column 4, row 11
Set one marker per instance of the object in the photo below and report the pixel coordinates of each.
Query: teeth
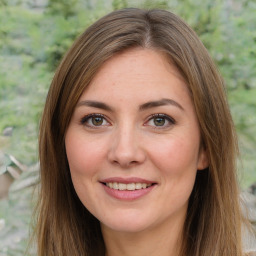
column 138, row 186
column 129, row 186
column 122, row 186
column 115, row 185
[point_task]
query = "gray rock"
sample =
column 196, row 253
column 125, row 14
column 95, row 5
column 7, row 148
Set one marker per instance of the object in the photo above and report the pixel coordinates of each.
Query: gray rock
column 249, row 201
column 252, row 189
column 8, row 131
column 249, row 208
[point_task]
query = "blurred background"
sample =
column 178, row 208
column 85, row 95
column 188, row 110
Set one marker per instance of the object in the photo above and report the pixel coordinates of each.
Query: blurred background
column 34, row 35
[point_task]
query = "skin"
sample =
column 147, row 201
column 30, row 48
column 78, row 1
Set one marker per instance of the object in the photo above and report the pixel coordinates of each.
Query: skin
column 129, row 142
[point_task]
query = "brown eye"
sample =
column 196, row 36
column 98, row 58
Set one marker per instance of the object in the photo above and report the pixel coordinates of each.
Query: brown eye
column 159, row 121
column 94, row 121
column 97, row 120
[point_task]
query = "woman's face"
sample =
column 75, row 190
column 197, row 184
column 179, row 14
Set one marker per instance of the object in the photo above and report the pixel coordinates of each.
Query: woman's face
column 133, row 143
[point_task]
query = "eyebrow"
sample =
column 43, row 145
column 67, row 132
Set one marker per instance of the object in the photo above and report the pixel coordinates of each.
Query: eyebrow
column 145, row 106
column 159, row 103
column 95, row 104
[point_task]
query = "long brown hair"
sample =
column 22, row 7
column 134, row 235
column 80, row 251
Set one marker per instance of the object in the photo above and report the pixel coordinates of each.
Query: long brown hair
column 213, row 223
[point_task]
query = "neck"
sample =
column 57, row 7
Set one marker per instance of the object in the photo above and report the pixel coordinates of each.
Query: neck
column 165, row 241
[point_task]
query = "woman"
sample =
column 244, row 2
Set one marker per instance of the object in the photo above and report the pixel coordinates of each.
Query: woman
column 137, row 145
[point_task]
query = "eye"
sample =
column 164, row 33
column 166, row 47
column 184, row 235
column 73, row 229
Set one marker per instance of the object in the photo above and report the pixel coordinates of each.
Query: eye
column 160, row 121
column 94, row 120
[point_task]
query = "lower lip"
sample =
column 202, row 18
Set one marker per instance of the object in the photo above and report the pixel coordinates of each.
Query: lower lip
column 127, row 195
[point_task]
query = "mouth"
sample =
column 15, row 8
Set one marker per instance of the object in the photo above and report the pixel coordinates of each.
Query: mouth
column 128, row 186
column 131, row 188
column 127, row 189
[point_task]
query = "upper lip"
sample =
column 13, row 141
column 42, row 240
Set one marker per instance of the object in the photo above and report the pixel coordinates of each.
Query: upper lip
column 127, row 180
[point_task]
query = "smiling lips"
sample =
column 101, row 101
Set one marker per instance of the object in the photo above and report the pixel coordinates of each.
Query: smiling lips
column 127, row 189
column 129, row 186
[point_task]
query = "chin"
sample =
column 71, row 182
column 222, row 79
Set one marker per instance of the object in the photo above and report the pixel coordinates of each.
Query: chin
column 126, row 228
column 131, row 224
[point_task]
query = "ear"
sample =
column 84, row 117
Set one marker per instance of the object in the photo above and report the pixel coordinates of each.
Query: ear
column 203, row 161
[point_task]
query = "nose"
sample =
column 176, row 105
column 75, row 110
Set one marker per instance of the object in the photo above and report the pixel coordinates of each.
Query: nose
column 126, row 148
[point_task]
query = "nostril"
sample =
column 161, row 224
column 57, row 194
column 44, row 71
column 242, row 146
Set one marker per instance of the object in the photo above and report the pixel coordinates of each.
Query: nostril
column 126, row 155
column 125, row 163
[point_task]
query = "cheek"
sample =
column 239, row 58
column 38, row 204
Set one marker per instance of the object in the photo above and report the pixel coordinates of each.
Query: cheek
column 82, row 155
column 175, row 154
column 84, row 160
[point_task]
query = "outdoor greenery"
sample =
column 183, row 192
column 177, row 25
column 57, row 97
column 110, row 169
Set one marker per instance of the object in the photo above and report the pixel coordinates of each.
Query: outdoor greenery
column 34, row 35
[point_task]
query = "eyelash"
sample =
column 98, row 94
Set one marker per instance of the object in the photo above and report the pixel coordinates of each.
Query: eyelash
column 165, row 117
column 85, row 120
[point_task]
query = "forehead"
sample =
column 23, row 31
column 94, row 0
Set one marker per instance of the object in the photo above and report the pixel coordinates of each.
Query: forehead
column 136, row 76
column 136, row 65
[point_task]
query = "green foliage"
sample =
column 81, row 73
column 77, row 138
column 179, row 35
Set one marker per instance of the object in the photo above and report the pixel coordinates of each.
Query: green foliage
column 119, row 4
column 66, row 8
column 63, row 32
column 159, row 4
column 228, row 32
column 238, row 62
column 243, row 106
column 23, row 78
column 3, row 3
